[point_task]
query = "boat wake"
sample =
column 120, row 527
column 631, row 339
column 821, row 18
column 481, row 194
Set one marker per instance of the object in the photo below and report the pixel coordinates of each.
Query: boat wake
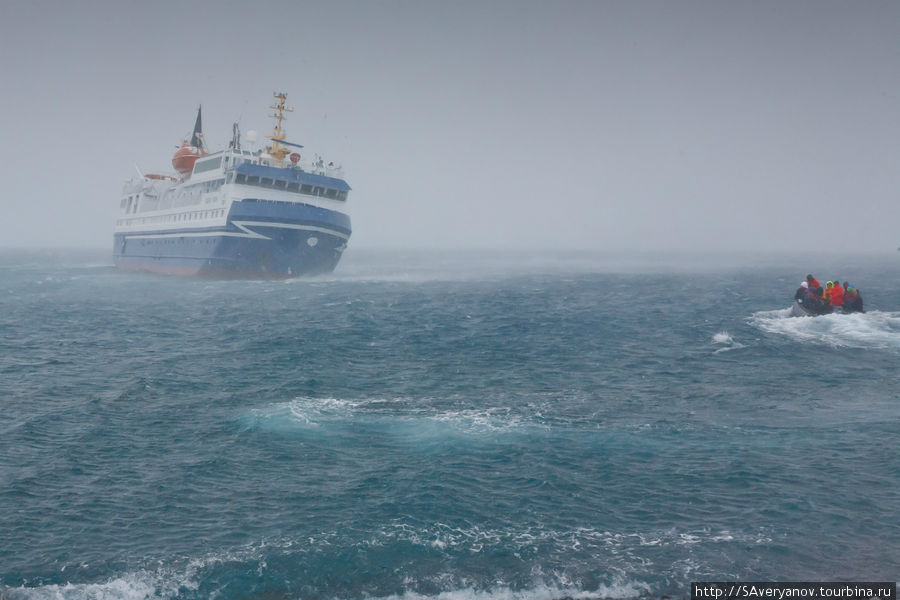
column 872, row 330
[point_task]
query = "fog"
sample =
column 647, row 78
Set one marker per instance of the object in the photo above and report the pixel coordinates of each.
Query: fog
column 648, row 126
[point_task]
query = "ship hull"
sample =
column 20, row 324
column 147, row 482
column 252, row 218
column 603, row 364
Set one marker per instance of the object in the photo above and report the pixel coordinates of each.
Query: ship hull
column 261, row 239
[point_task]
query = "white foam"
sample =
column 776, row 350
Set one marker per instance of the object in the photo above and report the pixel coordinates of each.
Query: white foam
column 185, row 574
column 871, row 330
column 478, row 421
column 304, row 412
column 405, row 416
column 165, row 582
column 132, row 586
column 443, row 536
column 729, row 343
column 723, row 337
column 616, row 590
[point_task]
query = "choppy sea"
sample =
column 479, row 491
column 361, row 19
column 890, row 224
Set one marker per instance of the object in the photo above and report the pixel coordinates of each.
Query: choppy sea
column 453, row 426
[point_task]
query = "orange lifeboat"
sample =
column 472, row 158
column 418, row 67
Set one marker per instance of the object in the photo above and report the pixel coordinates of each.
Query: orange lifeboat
column 185, row 157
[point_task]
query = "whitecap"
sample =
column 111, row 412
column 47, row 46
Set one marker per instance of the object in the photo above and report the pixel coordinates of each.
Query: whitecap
column 304, row 412
column 723, row 337
column 137, row 586
column 727, row 342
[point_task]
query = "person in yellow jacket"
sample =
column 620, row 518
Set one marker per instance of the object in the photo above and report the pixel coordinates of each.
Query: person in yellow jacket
column 829, row 290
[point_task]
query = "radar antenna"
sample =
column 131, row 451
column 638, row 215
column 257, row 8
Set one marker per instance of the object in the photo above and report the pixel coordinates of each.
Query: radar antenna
column 235, row 137
column 276, row 150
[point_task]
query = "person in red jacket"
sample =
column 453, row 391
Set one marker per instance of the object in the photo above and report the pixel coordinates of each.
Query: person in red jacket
column 837, row 294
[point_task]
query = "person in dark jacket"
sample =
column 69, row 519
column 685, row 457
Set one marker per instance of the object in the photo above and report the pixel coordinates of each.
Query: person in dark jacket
column 813, row 283
column 811, row 302
column 852, row 300
column 812, row 299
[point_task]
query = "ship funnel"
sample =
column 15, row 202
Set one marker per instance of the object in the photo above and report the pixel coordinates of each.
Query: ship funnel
column 197, row 137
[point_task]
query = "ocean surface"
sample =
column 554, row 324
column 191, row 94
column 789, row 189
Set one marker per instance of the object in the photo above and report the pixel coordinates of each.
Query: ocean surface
column 439, row 425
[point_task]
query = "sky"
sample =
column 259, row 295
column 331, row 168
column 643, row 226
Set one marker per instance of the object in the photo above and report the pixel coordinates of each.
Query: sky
column 628, row 125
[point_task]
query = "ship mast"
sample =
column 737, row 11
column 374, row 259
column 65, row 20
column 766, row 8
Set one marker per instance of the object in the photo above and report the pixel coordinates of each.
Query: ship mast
column 277, row 151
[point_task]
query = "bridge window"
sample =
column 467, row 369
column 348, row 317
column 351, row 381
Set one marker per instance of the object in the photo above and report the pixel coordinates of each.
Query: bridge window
column 306, row 189
column 207, row 165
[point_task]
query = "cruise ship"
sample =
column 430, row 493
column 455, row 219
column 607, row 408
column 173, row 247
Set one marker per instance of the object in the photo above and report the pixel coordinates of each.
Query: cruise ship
column 241, row 212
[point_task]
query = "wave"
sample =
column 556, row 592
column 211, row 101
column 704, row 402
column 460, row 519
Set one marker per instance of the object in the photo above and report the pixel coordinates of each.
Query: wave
column 592, row 541
column 440, row 562
column 142, row 585
column 410, row 418
column 871, row 330
column 146, row 586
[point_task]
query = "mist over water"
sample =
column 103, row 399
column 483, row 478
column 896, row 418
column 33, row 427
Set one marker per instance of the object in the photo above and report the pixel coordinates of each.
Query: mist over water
column 633, row 125
column 462, row 426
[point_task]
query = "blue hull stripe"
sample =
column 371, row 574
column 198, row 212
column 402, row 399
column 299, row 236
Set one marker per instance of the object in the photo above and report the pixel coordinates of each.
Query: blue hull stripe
column 244, row 227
